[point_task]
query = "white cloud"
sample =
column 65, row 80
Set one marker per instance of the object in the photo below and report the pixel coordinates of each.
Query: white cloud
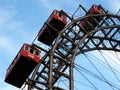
column 12, row 27
column 47, row 4
column 6, row 15
column 13, row 33
column 8, row 21
column 56, row 4
column 113, row 58
column 114, row 5
column 7, row 44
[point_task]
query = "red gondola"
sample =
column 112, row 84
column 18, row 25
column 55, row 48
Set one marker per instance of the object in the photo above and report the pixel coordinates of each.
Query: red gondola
column 90, row 23
column 47, row 33
column 96, row 9
column 22, row 66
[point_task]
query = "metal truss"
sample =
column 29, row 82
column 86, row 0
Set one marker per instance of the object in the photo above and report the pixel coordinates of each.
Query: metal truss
column 58, row 59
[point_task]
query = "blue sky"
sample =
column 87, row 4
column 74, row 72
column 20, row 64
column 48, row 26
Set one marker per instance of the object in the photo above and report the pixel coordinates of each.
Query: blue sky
column 20, row 21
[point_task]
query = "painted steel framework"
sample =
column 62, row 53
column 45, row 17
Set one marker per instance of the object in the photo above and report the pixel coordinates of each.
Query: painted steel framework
column 72, row 41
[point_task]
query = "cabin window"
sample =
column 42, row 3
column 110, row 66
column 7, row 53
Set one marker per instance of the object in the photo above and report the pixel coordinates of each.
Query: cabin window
column 96, row 7
column 100, row 9
column 31, row 51
column 64, row 17
column 36, row 53
column 57, row 13
column 60, row 14
column 26, row 48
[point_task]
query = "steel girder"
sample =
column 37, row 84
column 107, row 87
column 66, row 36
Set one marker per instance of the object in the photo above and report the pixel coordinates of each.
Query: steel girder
column 72, row 41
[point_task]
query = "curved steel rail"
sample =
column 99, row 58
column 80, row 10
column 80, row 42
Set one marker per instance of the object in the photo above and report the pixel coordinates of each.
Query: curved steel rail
column 71, row 42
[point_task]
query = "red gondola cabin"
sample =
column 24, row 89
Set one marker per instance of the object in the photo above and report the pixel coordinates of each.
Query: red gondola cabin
column 22, row 66
column 90, row 23
column 55, row 23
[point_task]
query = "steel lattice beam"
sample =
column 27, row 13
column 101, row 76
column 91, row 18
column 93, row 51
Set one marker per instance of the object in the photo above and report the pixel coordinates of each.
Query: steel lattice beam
column 71, row 42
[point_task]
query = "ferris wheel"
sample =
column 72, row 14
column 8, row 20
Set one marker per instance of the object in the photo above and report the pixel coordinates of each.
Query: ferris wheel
column 78, row 52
